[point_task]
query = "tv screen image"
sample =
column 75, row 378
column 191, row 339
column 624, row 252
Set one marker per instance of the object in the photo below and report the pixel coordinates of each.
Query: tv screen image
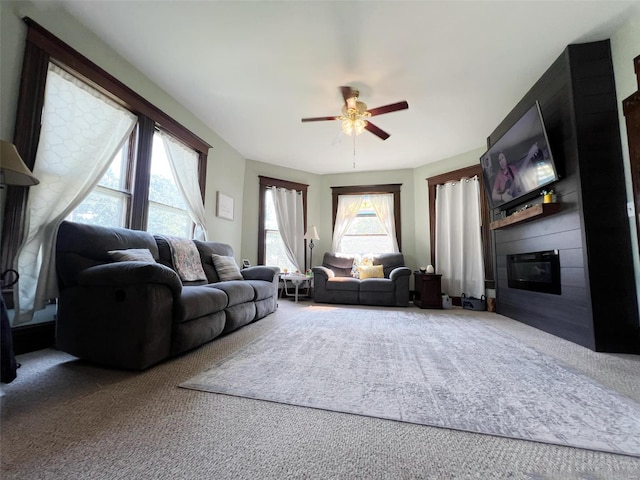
column 520, row 162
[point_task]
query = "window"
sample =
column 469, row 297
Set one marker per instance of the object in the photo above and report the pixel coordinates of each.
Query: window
column 168, row 212
column 108, row 204
column 366, row 234
column 271, row 249
column 274, row 249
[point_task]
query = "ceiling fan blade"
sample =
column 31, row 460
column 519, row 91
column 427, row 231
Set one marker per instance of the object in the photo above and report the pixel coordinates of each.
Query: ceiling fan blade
column 347, row 93
column 389, row 108
column 319, row 119
column 376, row 131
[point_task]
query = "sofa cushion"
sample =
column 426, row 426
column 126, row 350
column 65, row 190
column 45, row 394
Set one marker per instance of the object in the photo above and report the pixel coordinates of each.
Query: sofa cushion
column 339, row 263
column 343, row 283
column 198, row 301
column 374, row 271
column 132, row 255
column 377, row 285
column 81, row 246
column 262, row 289
column 389, row 261
column 226, row 267
column 238, row 291
column 206, row 249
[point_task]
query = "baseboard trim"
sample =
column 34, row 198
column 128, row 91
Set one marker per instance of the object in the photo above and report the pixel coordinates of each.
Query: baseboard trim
column 30, row 338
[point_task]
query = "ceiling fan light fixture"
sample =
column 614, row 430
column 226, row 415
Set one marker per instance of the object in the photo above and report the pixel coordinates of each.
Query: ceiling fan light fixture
column 350, row 126
column 355, row 112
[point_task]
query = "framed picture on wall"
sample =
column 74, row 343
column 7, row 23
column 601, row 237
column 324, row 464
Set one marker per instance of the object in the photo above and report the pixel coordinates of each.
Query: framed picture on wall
column 224, row 206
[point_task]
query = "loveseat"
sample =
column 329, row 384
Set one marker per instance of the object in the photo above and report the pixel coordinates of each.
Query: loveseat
column 334, row 281
column 122, row 302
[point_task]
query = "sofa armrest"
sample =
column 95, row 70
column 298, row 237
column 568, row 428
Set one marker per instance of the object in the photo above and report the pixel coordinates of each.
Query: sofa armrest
column 131, row 273
column 398, row 272
column 323, row 271
column 260, row 272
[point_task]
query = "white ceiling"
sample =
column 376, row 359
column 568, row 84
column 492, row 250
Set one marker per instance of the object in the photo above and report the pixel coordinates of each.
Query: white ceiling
column 252, row 70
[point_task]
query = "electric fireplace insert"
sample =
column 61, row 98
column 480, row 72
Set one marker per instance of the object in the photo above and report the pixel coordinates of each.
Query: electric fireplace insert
column 535, row 271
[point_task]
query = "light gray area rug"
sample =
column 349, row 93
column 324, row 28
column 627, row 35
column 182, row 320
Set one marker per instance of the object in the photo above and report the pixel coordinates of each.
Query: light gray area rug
column 432, row 369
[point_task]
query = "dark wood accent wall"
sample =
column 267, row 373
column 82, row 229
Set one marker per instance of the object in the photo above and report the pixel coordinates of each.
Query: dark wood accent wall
column 598, row 305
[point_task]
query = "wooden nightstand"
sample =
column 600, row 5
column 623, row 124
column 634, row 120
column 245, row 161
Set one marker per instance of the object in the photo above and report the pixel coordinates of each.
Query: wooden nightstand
column 428, row 290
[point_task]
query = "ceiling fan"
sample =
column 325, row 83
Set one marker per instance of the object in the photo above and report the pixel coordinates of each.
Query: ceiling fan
column 355, row 112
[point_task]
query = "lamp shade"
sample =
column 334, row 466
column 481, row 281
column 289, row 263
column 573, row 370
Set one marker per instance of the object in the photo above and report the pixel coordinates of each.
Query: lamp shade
column 312, row 233
column 13, row 171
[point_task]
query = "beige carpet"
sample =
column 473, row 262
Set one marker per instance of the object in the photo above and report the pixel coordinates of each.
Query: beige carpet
column 65, row 419
column 431, row 369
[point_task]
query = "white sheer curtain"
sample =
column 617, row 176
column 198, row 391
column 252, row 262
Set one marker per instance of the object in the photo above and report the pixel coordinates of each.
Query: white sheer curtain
column 290, row 218
column 348, row 208
column 82, row 130
column 383, row 205
column 184, row 165
column 458, row 238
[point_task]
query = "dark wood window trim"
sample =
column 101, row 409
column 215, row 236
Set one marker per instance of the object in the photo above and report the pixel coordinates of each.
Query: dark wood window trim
column 393, row 188
column 276, row 182
column 62, row 52
column 487, row 245
column 41, row 48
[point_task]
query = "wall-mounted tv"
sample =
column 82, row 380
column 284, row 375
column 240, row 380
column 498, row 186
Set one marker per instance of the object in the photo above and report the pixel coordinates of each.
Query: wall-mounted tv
column 520, row 162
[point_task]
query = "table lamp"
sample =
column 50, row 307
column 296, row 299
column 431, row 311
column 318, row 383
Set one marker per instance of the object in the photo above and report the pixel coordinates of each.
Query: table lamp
column 13, row 171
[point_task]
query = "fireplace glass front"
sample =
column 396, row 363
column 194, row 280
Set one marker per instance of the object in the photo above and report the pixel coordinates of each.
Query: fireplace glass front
column 535, row 271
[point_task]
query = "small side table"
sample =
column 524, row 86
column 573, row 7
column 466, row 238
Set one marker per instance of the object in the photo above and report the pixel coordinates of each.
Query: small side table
column 297, row 280
column 428, row 290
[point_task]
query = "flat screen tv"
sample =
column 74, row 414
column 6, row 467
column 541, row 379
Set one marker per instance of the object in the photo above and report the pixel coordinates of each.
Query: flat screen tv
column 519, row 163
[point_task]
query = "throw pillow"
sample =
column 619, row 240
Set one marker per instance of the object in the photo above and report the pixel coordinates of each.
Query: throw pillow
column 132, row 255
column 186, row 259
column 226, row 268
column 354, row 267
column 367, row 260
column 374, row 271
column 361, row 260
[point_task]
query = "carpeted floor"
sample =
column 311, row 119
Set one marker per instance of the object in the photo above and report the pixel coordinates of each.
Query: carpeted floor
column 431, row 369
column 63, row 418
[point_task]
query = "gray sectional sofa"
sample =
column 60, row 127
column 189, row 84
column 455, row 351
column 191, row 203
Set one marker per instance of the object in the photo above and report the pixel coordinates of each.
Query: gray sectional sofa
column 133, row 314
column 333, row 281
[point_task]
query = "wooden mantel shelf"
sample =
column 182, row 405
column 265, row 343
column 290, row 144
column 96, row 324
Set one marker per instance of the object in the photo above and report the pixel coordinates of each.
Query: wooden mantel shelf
column 536, row 211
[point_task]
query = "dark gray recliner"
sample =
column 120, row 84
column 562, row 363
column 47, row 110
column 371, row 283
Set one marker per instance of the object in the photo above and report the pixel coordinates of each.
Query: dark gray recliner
column 333, row 282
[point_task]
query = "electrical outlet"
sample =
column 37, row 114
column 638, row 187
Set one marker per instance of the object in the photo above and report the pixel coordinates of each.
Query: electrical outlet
column 630, row 210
